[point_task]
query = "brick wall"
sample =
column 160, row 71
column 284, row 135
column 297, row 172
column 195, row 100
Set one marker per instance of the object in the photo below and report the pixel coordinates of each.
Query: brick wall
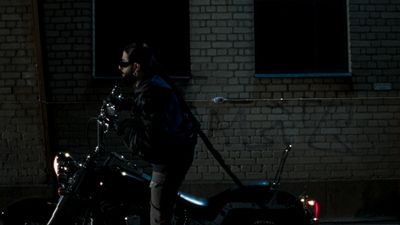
column 343, row 131
column 22, row 154
column 340, row 128
column 337, row 139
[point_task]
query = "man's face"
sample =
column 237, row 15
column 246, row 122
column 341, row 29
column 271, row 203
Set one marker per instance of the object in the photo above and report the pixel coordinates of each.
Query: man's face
column 125, row 66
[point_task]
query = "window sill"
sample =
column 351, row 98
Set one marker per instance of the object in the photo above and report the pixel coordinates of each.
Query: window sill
column 300, row 75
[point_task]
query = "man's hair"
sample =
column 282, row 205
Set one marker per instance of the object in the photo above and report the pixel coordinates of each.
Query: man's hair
column 140, row 53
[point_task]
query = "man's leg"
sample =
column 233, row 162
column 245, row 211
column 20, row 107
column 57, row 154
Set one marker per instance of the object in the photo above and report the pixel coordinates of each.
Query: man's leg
column 162, row 200
column 164, row 185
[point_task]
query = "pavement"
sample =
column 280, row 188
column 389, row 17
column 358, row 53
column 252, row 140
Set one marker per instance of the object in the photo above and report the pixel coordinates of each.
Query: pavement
column 360, row 221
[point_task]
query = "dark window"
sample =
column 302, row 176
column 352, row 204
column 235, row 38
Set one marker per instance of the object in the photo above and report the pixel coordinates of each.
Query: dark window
column 163, row 25
column 301, row 37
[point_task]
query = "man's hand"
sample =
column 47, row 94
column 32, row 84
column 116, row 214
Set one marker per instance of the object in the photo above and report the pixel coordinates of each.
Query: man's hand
column 125, row 124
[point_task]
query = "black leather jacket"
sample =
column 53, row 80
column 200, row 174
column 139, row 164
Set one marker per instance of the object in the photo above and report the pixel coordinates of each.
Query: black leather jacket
column 161, row 130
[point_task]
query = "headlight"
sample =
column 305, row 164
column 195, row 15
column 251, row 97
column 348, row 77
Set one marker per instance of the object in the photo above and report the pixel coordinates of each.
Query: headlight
column 55, row 165
column 64, row 167
column 63, row 163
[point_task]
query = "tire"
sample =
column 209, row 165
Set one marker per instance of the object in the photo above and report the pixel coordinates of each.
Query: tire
column 33, row 223
column 263, row 222
column 23, row 221
column 274, row 219
column 34, row 211
column 263, row 217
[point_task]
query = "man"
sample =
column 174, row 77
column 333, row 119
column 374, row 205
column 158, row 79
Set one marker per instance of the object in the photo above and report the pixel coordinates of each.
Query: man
column 161, row 130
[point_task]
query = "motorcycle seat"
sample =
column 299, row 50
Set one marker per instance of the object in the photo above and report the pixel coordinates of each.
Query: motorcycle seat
column 205, row 202
column 253, row 191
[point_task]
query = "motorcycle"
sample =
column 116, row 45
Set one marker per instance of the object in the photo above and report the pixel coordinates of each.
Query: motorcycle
column 106, row 188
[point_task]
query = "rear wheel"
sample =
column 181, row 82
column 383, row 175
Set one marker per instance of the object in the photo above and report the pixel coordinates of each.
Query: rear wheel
column 264, row 222
column 263, row 217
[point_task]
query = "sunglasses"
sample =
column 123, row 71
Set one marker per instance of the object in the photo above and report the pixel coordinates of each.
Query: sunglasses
column 124, row 64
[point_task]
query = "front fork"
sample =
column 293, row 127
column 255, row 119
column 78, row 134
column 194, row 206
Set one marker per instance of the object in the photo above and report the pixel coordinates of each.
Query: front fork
column 69, row 205
column 65, row 212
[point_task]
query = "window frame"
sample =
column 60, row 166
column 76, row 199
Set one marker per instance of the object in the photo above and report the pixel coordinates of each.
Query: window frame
column 182, row 69
column 346, row 73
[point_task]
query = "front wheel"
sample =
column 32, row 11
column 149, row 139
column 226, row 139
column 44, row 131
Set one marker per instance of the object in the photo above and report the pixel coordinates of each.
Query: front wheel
column 29, row 222
column 24, row 220
column 34, row 211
